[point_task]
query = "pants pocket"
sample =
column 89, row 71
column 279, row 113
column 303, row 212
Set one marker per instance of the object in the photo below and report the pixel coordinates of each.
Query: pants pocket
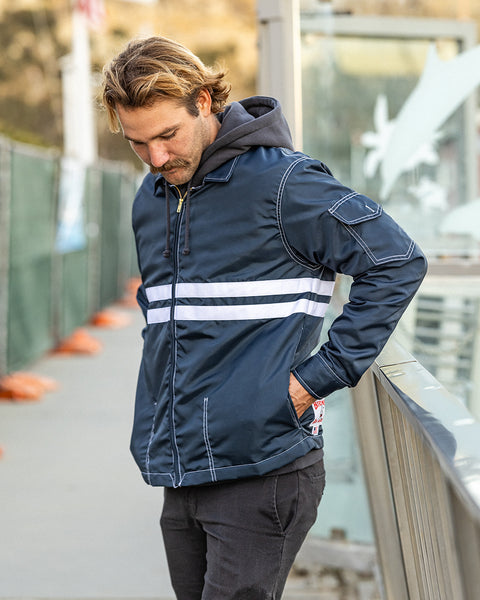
column 297, row 496
column 286, row 495
column 315, row 474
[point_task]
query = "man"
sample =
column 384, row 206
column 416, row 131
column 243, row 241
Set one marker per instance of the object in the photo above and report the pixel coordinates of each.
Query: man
column 239, row 238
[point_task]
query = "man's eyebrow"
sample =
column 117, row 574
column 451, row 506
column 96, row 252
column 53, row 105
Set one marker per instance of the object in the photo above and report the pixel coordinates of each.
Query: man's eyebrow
column 163, row 133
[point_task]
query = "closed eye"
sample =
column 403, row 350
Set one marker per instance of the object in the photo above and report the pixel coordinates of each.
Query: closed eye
column 169, row 136
column 165, row 137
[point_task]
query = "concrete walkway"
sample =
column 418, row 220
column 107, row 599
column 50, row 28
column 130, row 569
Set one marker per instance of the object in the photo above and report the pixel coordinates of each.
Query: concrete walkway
column 76, row 519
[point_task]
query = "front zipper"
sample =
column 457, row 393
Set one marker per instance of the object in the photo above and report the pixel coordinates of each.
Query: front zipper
column 180, row 199
column 176, row 235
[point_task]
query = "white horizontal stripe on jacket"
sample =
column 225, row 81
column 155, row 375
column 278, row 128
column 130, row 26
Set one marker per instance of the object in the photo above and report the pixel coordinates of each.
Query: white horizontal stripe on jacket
column 240, row 289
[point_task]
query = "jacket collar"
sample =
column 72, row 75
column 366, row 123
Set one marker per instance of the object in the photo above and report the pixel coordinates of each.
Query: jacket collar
column 223, row 173
column 220, row 175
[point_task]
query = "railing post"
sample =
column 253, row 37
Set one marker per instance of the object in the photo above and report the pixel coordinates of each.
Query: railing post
column 468, row 548
column 371, row 440
column 422, row 501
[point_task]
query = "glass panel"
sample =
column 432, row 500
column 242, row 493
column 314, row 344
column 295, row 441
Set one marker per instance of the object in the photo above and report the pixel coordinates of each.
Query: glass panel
column 353, row 89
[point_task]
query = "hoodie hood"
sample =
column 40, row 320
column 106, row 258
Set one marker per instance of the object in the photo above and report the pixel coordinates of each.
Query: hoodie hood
column 255, row 121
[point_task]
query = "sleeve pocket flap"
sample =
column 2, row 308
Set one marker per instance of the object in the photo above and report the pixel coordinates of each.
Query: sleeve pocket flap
column 355, row 208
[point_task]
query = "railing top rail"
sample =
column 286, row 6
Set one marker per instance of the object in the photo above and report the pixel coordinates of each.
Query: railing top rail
column 439, row 417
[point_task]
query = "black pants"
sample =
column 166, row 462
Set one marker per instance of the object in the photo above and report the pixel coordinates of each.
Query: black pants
column 238, row 540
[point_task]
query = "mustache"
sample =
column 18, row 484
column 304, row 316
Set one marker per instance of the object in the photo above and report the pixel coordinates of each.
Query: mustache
column 169, row 166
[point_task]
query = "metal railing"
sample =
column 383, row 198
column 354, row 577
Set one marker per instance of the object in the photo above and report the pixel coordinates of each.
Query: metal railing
column 421, row 453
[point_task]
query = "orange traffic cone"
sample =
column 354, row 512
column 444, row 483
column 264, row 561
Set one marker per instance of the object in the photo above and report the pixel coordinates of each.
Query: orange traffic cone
column 129, row 299
column 25, row 386
column 79, row 342
column 109, row 318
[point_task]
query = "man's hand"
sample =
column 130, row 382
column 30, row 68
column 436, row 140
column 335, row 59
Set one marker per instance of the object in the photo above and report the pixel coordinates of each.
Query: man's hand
column 299, row 395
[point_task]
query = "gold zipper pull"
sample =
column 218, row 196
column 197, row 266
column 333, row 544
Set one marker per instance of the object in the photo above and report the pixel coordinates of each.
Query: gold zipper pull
column 180, row 202
column 180, row 199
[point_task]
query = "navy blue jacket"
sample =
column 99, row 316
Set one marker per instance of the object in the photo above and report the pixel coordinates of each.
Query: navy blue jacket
column 229, row 321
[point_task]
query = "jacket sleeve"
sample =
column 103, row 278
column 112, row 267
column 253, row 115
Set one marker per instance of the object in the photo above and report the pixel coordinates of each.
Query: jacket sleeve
column 142, row 300
column 326, row 225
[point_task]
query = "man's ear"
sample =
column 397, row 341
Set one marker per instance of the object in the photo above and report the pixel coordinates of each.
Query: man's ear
column 204, row 102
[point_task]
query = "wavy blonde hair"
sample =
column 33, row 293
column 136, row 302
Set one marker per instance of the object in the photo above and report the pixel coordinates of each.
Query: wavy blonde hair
column 159, row 68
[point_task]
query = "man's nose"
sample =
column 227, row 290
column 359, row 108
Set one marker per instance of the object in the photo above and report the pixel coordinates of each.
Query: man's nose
column 158, row 154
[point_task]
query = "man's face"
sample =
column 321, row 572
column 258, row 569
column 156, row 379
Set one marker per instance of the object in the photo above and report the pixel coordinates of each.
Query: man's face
column 168, row 138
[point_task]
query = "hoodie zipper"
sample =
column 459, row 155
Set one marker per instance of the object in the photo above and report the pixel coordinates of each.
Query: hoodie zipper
column 176, row 235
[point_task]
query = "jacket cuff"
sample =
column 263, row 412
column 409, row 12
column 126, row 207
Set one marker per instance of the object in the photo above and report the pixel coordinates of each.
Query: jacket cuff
column 318, row 378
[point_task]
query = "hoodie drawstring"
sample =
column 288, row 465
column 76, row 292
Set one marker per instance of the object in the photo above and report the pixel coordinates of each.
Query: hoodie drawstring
column 186, row 197
column 186, row 248
column 166, row 252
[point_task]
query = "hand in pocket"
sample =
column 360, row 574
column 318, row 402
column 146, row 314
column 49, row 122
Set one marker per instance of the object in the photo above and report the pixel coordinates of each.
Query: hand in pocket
column 300, row 397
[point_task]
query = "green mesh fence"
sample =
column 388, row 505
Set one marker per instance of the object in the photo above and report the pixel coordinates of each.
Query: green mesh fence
column 78, row 277
column 110, row 244
column 116, row 236
column 47, row 290
column 74, row 292
column 32, row 212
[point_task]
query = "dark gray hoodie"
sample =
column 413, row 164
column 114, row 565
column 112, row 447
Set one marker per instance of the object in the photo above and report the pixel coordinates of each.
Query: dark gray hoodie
column 255, row 121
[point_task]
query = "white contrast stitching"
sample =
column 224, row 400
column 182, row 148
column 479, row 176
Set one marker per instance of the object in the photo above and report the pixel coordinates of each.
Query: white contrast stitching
column 374, row 213
column 281, row 228
column 147, row 458
column 306, row 386
column 342, row 200
column 217, row 469
column 337, row 377
column 224, row 177
column 207, row 440
column 378, row 261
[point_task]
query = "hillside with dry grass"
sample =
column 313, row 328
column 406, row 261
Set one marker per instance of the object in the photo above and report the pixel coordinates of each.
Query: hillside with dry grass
column 36, row 35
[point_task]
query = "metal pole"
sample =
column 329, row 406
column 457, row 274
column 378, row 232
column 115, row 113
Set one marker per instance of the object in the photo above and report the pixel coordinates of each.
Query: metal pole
column 280, row 68
column 79, row 122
